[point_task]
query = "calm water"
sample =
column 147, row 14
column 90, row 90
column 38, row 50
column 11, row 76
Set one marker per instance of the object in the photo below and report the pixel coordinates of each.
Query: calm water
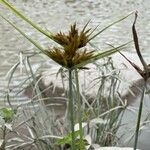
column 58, row 15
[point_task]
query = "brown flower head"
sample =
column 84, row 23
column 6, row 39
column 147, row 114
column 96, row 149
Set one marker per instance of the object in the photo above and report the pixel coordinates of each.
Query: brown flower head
column 73, row 37
column 70, row 54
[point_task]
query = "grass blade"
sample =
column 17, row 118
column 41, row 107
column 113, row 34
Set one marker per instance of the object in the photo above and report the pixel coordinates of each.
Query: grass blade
column 26, row 36
column 110, row 26
column 15, row 11
column 101, row 55
column 49, row 34
column 139, row 117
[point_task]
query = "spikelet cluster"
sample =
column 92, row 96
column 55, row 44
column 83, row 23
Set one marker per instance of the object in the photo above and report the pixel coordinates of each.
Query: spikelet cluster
column 70, row 53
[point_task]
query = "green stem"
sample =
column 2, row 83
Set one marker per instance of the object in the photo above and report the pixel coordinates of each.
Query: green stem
column 79, row 110
column 71, row 110
column 139, row 117
column 4, row 138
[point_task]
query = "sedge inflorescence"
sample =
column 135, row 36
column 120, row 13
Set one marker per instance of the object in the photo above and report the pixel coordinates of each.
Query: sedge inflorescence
column 70, row 53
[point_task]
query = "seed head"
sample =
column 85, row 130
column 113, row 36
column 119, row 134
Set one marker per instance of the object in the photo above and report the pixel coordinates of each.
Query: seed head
column 70, row 53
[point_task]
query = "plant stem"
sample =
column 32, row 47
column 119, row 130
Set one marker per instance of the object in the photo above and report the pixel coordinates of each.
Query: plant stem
column 71, row 110
column 139, row 116
column 79, row 111
column 2, row 147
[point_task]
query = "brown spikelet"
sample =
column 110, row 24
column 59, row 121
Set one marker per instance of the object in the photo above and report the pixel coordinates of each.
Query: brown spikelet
column 70, row 54
column 73, row 35
column 61, row 39
column 82, row 56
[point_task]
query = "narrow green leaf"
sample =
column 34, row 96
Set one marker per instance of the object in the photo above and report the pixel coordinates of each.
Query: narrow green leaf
column 109, row 26
column 85, row 26
column 101, row 55
column 26, row 36
column 15, row 11
column 49, row 34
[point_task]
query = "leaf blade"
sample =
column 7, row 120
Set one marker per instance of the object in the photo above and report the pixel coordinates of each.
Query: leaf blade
column 26, row 36
column 101, row 55
column 110, row 26
column 16, row 12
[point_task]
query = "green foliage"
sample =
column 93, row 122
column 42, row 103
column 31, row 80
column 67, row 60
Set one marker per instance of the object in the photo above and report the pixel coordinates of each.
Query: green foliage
column 67, row 138
column 7, row 114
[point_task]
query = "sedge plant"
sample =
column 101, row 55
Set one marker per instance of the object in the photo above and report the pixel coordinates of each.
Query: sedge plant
column 72, row 55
